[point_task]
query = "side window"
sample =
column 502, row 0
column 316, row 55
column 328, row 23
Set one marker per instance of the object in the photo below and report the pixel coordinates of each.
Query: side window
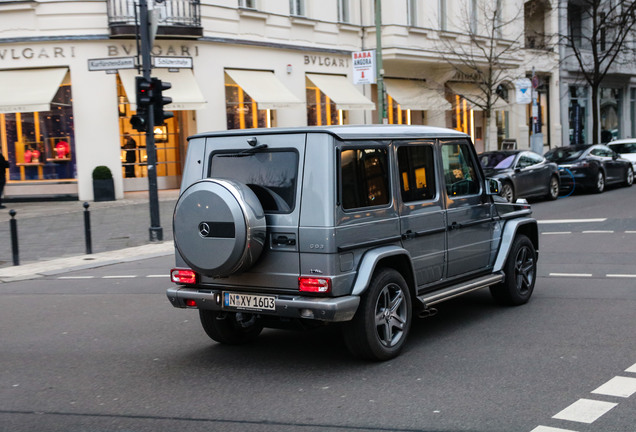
column 528, row 159
column 459, row 170
column 417, row 172
column 364, row 177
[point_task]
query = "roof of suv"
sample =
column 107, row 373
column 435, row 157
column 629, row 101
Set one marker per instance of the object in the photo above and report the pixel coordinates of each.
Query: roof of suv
column 350, row 132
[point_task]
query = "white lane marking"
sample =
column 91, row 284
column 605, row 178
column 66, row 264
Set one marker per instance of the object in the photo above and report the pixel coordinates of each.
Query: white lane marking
column 557, row 232
column 158, row 276
column 630, row 232
column 618, row 386
column 610, row 275
column 598, row 232
column 549, row 429
column 631, row 369
column 76, row 277
column 571, row 274
column 119, row 277
column 558, row 221
column 585, row 411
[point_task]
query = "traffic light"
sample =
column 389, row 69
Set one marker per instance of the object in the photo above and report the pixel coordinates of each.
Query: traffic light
column 158, row 101
column 143, row 90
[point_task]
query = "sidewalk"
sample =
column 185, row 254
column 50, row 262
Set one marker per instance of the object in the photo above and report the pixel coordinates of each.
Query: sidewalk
column 51, row 235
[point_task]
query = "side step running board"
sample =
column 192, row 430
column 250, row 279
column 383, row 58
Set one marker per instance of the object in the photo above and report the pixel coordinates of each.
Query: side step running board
column 453, row 291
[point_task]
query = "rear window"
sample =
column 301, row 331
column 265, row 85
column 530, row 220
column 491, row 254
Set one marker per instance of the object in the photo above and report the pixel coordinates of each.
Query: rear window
column 624, row 148
column 564, row 154
column 272, row 175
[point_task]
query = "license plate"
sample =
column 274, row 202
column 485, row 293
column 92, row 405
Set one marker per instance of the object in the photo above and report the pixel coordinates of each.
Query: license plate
column 249, row 301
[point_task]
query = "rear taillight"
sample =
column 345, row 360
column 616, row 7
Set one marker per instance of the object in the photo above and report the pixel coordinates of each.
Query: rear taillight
column 314, row 285
column 184, row 276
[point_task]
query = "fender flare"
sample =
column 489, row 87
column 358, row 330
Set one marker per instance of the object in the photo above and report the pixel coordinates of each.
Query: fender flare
column 511, row 228
column 369, row 263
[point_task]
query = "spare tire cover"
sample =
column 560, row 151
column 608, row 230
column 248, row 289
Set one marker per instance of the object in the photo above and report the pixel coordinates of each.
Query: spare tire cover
column 219, row 227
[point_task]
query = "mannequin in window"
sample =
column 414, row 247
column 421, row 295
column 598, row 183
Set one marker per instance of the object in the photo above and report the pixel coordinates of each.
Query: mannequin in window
column 130, row 145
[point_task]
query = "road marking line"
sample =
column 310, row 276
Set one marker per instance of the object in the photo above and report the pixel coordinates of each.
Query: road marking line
column 158, row 276
column 598, row 232
column 631, row 369
column 558, row 221
column 630, row 232
column 609, row 275
column 571, row 274
column 585, row 411
column 618, row 386
column 557, row 232
column 549, row 429
column 119, row 277
column 76, row 277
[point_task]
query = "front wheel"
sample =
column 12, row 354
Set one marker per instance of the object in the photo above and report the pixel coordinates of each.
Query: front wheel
column 521, row 273
column 379, row 329
column 230, row 328
column 629, row 177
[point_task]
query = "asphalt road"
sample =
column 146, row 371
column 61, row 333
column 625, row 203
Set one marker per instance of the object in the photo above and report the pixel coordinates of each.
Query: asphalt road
column 102, row 350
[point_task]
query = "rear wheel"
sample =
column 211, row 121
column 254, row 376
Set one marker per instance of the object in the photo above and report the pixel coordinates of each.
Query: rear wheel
column 230, row 328
column 629, row 177
column 599, row 185
column 553, row 188
column 380, row 327
column 521, row 273
column 508, row 192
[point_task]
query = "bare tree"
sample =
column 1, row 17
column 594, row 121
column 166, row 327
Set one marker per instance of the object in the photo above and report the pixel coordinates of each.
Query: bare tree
column 487, row 53
column 597, row 39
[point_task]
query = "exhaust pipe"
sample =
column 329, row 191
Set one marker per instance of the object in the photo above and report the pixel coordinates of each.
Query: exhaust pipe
column 428, row 312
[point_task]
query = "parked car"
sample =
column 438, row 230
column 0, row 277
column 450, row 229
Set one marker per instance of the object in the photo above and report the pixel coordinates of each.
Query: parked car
column 368, row 226
column 591, row 167
column 626, row 148
column 523, row 174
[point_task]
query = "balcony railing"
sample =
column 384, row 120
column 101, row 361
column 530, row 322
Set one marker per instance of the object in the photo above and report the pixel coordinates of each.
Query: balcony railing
column 177, row 18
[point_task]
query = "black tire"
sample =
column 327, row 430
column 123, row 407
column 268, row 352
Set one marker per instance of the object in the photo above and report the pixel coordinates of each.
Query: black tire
column 553, row 188
column 599, row 184
column 521, row 274
column 508, row 192
column 381, row 325
column 629, row 177
column 231, row 328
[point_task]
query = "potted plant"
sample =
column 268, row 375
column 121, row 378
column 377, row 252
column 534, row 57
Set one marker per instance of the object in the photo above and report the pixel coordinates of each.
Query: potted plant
column 103, row 185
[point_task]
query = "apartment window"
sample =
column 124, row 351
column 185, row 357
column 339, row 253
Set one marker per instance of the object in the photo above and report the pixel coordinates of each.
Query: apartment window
column 575, row 24
column 247, row 4
column 297, row 7
column 473, row 16
column 498, row 20
column 411, row 6
column 442, row 15
column 343, row 11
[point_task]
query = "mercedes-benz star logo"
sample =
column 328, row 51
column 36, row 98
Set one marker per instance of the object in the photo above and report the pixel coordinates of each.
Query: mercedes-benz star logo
column 204, row 229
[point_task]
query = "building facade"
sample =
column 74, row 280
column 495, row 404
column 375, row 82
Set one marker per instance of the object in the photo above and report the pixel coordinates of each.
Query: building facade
column 67, row 78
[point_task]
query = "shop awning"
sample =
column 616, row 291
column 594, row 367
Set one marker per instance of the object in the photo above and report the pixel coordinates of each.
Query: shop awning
column 415, row 95
column 342, row 92
column 474, row 95
column 185, row 92
column 264, row 88
column 29, row 90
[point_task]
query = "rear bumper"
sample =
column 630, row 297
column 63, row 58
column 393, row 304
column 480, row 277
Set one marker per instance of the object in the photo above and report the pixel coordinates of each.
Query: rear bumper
column 331, row 309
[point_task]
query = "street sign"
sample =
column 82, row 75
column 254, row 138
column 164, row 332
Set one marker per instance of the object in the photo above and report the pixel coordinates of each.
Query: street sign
column 172, row 62
column 363, row 67
column 111, row 63
column 523, row 92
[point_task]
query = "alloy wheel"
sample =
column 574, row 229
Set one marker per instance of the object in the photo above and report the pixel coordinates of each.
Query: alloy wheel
column 391, row 315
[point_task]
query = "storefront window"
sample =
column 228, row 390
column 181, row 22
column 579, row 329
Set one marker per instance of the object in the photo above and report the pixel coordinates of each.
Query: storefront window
column 632, row 108
column 242, row 111
column 541, row 126
column 396, row 114
column 41, row 145
column 610, row 114
column 577, row 115
column 133, row 156
column 321, row 110
column 502, row 118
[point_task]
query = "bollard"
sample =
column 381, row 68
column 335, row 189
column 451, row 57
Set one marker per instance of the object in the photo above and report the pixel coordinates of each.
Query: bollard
column 14, row 238
column 87, row 229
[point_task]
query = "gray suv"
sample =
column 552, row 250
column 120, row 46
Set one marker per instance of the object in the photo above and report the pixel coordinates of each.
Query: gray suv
column 367, row 226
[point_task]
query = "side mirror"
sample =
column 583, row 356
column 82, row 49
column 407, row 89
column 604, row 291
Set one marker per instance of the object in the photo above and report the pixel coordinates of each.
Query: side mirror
column 493, row 186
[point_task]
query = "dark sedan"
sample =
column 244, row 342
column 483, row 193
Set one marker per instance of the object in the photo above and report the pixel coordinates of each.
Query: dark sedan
column 523, row 174
column 591, row 167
